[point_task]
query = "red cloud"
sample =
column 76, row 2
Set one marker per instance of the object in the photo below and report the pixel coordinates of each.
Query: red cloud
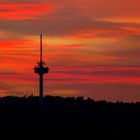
column 23, row 11
column 131, row 30
column 116, row 32
column 99, row 75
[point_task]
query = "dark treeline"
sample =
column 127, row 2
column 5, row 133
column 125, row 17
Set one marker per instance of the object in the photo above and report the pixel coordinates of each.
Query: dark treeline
column 97, row 118
column 69, row 109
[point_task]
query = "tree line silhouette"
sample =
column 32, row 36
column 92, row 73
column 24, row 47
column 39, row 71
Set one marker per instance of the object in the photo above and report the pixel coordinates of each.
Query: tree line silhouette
column 57, row 108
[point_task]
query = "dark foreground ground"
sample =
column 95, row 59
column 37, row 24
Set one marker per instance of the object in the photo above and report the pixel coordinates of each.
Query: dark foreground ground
column 72, row 115
column 67, row 109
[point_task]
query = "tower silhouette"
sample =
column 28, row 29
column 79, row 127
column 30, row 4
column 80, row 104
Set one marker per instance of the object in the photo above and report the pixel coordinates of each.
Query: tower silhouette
column 41, row 69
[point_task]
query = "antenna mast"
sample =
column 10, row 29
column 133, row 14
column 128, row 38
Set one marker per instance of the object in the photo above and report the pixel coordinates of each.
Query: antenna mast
column 41, row 47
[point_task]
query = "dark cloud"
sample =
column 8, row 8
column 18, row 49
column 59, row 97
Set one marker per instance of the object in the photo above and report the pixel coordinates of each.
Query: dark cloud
column 62, row 22
column 17, row 1
column 55, row 26
column 128, row 47
column 126, row 72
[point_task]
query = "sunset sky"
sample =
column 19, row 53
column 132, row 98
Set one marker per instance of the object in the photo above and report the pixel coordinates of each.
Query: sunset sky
column 92, row 48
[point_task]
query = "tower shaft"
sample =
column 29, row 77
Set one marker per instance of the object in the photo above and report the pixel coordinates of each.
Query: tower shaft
column 40, row 88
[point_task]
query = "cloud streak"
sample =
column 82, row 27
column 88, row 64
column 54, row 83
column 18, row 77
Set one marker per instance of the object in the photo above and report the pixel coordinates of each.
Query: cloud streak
column 23, row 11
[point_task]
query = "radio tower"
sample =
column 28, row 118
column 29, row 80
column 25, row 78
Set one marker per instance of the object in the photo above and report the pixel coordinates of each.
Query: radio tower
column 41, row 69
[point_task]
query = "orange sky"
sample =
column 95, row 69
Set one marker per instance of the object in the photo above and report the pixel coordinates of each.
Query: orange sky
column 91, row 47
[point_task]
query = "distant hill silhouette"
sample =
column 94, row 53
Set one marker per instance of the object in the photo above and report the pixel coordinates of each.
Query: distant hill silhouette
column 67, row 109
column 100, row 118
